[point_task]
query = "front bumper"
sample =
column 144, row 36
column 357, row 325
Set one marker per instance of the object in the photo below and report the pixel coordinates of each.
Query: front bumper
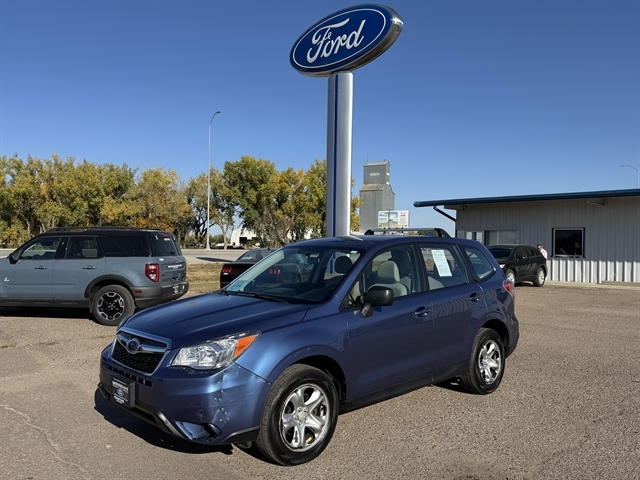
column 211, row 408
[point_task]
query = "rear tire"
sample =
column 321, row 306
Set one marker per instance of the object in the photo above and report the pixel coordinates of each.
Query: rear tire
column 299, row 416
column 511, row 276
column 540, row 277
column 486, row 367
column 111, row 304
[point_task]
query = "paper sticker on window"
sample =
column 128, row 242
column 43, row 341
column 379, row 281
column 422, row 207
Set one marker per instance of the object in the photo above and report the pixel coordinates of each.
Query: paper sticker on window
column 441, row 263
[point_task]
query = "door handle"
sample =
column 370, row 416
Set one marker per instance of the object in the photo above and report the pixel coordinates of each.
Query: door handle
column 41, row 267
column 89, row 267
column 422, row 312
column 474, row 297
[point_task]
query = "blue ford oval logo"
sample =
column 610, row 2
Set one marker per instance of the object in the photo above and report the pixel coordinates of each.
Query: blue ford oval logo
column 346, row 40
column 133, row 345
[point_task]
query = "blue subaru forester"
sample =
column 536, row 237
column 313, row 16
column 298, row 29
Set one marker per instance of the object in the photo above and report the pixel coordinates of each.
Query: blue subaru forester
column 272, row 358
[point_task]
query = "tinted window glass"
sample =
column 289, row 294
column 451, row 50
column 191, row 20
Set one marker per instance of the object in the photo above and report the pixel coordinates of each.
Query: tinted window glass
column 568, row 242
column 83, row 247
column 133, row 246
column 500, row 252
column 480, row 263
column 162, row 244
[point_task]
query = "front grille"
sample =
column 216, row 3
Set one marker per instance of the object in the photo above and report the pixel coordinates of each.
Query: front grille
column 142, row 362
column 142, row 380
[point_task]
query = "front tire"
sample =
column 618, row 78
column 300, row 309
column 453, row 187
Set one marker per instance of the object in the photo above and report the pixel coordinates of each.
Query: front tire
column 486, row 367
column 540, row 277
column 299, row 416
column 111, row 304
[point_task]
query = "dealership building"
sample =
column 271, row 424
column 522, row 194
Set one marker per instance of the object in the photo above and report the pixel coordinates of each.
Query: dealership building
column 590, row 237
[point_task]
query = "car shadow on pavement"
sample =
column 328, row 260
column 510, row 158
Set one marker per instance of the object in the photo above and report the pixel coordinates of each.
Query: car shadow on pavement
column 452, row 384
column 45, row 312
column 150, row 434
column 213, row 259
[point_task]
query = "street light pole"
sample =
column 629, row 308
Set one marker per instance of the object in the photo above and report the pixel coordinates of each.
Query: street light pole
column 637, row 174
column 209, row 182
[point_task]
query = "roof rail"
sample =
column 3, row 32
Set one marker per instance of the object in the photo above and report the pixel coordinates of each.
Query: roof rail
column 82, row 229
column 429, row 232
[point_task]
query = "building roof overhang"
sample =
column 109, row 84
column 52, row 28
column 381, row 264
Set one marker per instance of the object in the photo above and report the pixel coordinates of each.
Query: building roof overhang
column 452, row 203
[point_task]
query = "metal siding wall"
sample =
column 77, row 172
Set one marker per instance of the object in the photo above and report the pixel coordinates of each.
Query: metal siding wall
column 611, row 238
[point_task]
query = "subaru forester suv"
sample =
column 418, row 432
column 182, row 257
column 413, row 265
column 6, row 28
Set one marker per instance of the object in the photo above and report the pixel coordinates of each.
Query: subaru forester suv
column 271, row 359
column 109, row 270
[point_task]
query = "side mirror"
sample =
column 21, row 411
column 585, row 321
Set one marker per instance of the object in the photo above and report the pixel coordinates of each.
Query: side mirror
column 376, row 296
column 13, row 257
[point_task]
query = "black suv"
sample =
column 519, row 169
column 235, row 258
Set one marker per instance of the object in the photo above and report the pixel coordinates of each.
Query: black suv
column 109, row 270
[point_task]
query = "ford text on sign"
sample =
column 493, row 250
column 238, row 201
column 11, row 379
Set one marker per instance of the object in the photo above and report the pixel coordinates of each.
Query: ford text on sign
column 346, row 40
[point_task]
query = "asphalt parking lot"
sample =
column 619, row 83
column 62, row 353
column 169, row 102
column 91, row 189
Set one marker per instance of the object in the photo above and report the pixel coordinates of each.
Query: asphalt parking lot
column 568, row 407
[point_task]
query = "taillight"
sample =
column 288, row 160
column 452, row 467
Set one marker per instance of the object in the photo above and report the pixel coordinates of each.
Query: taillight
column 152, row 271
column 275, row 271
column 226, row 269
column 509, row 287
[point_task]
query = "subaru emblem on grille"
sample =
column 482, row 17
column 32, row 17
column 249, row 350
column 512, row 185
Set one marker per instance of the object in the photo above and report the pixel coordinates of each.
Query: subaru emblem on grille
column 133, row 345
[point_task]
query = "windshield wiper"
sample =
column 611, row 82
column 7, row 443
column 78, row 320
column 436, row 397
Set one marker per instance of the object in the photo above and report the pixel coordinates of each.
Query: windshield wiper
column 261, row 296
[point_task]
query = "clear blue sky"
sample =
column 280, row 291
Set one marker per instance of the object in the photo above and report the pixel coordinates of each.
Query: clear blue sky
column 475, row 98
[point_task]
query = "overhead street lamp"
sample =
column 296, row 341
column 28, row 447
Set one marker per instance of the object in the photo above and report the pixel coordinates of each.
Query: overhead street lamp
column 637, row 173
column 209, row 182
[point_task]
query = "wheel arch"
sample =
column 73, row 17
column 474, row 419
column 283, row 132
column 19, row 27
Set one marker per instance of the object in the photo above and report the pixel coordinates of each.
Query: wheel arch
column 98, row 283
column 332, row 368
column 500, row 328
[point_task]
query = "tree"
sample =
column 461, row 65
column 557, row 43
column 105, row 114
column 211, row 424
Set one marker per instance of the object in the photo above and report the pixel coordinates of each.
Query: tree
column 251, row 185
column 196, row 193
column 223, row 204
column 159, row 200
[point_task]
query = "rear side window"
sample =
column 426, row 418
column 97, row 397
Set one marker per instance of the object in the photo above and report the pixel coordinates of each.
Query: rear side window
column 83, row 247
column 480, row 263
column 162, row 244
column 443, row 266
column 129, row 246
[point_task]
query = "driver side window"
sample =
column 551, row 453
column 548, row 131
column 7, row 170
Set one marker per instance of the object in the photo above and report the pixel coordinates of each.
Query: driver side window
column 394, row 269
column 43, row 249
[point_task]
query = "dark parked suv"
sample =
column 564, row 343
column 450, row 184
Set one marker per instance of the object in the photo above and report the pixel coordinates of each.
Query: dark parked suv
column 108, row 270
column 521, row 263
column 272, row 358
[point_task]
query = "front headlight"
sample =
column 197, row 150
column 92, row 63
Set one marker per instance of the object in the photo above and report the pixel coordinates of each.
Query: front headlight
column 502, row 265
column 214, row 354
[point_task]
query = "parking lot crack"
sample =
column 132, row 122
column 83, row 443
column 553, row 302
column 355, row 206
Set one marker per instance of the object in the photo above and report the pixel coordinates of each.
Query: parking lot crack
column 49, row 438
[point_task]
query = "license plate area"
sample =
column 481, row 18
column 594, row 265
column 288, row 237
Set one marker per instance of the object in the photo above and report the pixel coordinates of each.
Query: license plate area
column 123, row 392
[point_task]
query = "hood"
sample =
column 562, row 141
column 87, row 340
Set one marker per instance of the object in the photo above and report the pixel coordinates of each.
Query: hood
column 197, row 319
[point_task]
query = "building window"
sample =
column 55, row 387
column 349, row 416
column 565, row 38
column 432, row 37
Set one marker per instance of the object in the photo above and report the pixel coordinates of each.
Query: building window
column 495, row 237
column 478, row 236
column 568, row 242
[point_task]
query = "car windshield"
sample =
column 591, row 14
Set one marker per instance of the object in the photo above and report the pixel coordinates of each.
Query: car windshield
column 296, row 274
column 500, row 252
column 252, row 256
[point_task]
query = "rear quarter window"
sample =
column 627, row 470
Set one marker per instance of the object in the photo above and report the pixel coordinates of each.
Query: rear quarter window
column 162, row 244
column 480, row 263
column 126, row 246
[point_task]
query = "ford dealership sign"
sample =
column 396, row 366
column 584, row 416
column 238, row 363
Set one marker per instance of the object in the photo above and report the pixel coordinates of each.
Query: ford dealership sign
column 346, row 40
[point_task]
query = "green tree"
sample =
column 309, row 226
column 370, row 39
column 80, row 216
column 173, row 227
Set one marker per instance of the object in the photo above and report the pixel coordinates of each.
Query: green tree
column 159, row 200
column 224, row 204
column 21, row 195
column 196, row 193
column 251, row 185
